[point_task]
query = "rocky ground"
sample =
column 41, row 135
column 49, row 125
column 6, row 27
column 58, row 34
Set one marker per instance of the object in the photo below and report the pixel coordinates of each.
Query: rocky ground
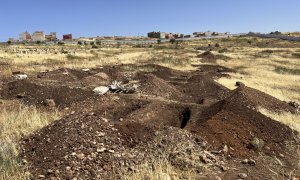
column 186, row 117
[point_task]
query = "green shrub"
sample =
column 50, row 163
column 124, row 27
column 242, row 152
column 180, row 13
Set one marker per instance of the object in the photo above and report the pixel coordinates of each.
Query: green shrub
column 284, row 70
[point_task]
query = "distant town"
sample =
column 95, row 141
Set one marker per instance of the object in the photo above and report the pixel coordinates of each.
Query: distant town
column 42, row 37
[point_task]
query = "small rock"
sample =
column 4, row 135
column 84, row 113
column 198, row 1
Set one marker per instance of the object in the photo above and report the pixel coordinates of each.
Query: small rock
column 252, row 162
column 239, row 84
column 225, row 149
column 245, row 161
column 295, row 178
column 101, row 90
column 111, row 151
column 49, row 103
column 242, row 175
column 257, row 144
column 49, row 171
column 21, row 76
column 204, row 159
column 21, row 95
column 41, row 176
column 101, row 150
column 223, row 168
column 85, row 69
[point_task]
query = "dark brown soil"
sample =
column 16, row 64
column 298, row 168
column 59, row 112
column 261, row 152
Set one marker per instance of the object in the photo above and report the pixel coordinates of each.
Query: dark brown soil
column 128, row 126
column 207, row 57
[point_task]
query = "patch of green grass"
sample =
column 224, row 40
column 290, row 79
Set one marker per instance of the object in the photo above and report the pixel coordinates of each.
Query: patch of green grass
column 284, row 70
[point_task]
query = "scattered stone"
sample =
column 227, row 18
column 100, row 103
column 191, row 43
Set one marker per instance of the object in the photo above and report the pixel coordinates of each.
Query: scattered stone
column 49, row 103
column 85, row 70
column 239, row 84
column 252, row 162
column 20, row 76
column 294, row 104
column 242, row 175
column 101, row 90
column 101, row 150
column 225, row 149
column 204, row 159
column 21, row 95
column 41, row 176
column 49, row 171
column 245, row 161
column 257, row 144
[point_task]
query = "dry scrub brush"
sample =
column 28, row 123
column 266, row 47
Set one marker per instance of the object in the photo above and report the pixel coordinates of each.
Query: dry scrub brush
column 15, row 122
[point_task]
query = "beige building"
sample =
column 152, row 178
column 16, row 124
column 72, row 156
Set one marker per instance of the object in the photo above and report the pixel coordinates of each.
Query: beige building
column 51, row 37
column 38, row 36
column 25, row 36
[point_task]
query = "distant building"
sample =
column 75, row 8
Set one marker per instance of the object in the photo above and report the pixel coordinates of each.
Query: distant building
column 38, row 36
column 154, row 34
column 178, row 35
column 51, row 37
column 25, row 36
column 67, row 37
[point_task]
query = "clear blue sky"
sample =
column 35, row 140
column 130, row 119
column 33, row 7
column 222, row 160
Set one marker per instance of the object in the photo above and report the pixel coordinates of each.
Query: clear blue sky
column 137, row 17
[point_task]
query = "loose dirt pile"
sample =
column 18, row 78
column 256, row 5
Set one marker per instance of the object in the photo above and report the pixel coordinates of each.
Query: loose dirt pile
column 207, row 57
column 100, row 137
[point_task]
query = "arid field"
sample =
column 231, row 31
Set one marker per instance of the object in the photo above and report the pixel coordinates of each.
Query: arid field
column 177, row 112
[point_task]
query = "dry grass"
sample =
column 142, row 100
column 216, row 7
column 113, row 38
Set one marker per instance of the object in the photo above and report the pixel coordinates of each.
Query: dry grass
column 287, row 118
column 15, row 122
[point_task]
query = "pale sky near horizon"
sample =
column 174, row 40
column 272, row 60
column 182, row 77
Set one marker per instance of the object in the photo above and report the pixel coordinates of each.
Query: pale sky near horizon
column 137, row 17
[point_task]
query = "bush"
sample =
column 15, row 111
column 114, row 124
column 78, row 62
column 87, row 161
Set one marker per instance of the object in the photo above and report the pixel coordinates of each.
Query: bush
column 223, row 50
column 158, row 41
column 95, row 47
column 92, row 43
column 296, row 55
column 79, row 43
column 8, row 42
column 217, row 45
column 172, row 41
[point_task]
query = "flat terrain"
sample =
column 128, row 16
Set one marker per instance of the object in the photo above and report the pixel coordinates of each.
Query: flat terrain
column 182, row 115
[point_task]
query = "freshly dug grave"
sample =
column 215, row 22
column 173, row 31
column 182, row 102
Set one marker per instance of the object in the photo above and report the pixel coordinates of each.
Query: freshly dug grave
column 234, row 121
column 207, row 57
column 89, row 147
column 34, row 94
column 128, row 126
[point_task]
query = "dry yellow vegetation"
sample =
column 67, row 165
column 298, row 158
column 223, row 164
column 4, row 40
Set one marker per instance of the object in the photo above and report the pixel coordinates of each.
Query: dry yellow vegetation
column 269, row 65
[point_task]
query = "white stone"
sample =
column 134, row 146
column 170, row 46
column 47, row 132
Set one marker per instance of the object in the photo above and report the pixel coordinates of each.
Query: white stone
column 21, row 76
column 101, row 90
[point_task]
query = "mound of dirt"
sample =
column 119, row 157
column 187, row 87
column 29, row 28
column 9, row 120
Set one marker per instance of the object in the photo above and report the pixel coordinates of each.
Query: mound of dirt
column 207, row 57
column 152, row 85
column 254, row 99
column 234, row 121
column 170, row 114
column 89, row 147
column 34, row 94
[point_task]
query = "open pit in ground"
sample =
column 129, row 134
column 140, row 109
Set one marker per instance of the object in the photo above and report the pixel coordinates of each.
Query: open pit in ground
column 184, row 116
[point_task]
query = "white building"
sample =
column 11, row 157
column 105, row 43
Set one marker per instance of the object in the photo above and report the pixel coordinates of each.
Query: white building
column 38, row 36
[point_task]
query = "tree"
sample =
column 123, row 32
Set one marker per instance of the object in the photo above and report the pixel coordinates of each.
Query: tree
column 158, row 41
column 172, row 40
